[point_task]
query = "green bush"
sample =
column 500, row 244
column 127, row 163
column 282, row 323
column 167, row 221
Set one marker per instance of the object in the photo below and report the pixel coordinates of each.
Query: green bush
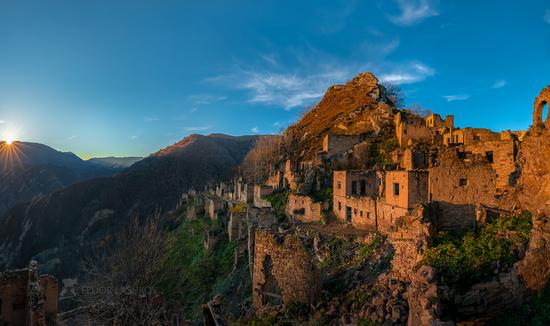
column 465, row 259
column 278, row 201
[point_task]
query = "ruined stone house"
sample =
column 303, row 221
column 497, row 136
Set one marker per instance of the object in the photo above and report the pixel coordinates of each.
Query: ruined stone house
column 283, row 270
column 304, row 208
column 27, row 298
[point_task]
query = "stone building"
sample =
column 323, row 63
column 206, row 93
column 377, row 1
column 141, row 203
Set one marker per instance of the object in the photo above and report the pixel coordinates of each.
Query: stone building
column 303, row 208
column 412, row 128
column 260, row 191
column 462, row 184
column 334, row 145
column 283, row 271
column 375, row 199
column 27, row 298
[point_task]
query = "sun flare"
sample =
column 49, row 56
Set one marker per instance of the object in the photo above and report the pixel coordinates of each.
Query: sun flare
column 10, row 138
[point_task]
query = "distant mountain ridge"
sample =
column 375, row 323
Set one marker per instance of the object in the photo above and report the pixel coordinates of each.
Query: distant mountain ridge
column 60, row 228
column 115, row 162
column 28, row 170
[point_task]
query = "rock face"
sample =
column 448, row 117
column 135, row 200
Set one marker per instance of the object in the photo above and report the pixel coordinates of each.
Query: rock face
column 60, row 228
column 533, row 193
column 358, row 107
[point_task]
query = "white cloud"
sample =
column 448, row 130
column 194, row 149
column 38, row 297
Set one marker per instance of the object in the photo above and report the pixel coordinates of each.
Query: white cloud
column 198, row 128
column 151, row 119
column 134, row 137
column 457, row 97
column 255, row 130
column 499, row 84
column 406, row 73
column 547, row 16
column 2, row 122
column 413, row 11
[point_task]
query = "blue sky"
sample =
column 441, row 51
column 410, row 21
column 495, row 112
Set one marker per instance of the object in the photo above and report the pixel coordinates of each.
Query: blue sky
column 130, row 77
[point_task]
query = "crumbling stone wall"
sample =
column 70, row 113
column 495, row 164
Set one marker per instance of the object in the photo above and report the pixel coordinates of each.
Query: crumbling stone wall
column 411, row 127
column 502, row 156
column 236, row 226
column 283, row 270
column 334, row 145
column 26, row 298
column 459, row 185
column 541, row 100
column 303, row 208
column 259, row 192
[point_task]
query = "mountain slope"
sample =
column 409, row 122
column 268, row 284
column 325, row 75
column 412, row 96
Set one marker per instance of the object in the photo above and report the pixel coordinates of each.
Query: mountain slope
column 28, row 170
column 60, row 228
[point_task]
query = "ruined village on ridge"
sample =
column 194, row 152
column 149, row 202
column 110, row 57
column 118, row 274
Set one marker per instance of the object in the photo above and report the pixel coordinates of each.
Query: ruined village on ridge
column 441, row 178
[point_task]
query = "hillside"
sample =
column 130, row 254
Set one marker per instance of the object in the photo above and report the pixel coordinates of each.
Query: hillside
column 60, row 228
column 28, row 170
column 359, row 107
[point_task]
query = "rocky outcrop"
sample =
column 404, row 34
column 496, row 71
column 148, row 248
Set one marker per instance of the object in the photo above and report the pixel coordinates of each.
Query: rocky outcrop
column 358, row 107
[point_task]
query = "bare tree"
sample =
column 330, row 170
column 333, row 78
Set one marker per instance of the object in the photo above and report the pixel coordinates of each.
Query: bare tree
column 394, row 94
column 121, row 285
column 419, row 110
column 257, row 165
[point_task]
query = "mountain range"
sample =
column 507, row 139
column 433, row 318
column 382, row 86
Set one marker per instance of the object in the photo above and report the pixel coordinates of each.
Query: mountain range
column 60, row 227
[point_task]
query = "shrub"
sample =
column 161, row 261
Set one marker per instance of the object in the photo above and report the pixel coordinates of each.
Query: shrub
column 465, row 259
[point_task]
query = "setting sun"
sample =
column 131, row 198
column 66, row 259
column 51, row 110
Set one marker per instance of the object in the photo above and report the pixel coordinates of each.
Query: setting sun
column 10, row 137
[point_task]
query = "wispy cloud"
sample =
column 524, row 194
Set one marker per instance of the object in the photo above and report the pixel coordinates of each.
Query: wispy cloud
column 457, row 97
column 303, row 82
column 72, row 137
column 134, row 137
column 288, row 90
column 255, row 130
column 547, row 16
column 407, row 73
column 499, row 84
column 2, row 122
column 413, row 11
column 198, row 128
column 151, row 119
column 205, row 99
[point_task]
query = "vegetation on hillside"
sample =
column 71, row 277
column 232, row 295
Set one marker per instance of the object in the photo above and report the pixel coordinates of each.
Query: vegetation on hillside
column 278, row 201
column 468, row 258
column 194, row 275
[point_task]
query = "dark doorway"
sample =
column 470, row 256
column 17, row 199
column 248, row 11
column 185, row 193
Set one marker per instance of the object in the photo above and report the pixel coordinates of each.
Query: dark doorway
column 348, row 214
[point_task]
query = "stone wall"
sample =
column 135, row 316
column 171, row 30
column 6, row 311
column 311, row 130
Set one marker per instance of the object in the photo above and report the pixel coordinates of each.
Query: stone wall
column 26, row 298
column 459, row 183
column 359, row 211
column 303, row 208
column 334, row 145
column 259, row 192
column 411, row 127
column 406, row 189
column 236, row 226
column 283, row 270
column 502, row 156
